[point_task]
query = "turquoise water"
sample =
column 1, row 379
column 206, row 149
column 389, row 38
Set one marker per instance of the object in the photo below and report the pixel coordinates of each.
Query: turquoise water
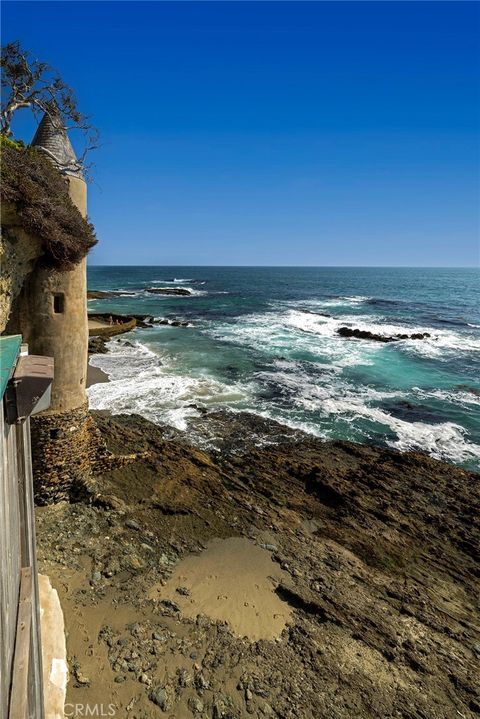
column 259, row 340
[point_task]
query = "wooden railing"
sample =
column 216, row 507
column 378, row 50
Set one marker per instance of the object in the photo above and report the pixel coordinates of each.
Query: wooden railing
column 21, row 681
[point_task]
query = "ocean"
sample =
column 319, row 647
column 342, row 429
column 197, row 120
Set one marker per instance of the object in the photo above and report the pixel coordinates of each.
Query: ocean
column 265, row 340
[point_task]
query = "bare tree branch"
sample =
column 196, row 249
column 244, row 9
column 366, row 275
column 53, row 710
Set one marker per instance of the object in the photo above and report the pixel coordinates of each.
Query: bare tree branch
column 28, row 83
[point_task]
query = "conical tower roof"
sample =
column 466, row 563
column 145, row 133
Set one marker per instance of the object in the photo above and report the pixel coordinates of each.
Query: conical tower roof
column 51, row 137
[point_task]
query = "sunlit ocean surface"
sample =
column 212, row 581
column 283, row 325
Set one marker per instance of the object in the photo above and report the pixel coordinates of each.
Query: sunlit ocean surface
column 265, row 340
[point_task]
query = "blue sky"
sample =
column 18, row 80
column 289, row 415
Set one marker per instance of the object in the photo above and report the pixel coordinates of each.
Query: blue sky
column 272, row 133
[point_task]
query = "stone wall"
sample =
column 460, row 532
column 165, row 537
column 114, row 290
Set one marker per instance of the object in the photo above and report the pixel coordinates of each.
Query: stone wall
column 67, row 451
column 61, row 454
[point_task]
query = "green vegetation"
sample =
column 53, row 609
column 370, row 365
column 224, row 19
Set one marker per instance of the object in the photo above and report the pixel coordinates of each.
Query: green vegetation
column 40, row 195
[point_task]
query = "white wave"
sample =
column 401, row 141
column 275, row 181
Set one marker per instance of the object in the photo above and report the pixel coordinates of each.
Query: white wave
column 197, row 293
column 356, row 299
column 305, row 392
column 340, row 398
column 453, row 396
column 189, row 279
column 440, row 341
column 294, row 331
column 170, row 322
column 342, row 301
column 443, row 441
column 303, row 426
column 141, row 384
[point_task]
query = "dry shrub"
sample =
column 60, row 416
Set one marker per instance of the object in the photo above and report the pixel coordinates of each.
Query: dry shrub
column 40, row 195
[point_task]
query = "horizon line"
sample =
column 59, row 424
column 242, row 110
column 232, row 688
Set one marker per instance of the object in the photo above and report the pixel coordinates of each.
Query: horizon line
column 312, row 267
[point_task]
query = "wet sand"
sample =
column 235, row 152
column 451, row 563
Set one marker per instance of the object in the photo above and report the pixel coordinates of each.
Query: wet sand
column 208, row 583
column 95, row 375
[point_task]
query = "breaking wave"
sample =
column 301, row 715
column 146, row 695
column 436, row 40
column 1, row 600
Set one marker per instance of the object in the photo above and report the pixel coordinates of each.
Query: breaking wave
column 141, row 383
column 277, row 352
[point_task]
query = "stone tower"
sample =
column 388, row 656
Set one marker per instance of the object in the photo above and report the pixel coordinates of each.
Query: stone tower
column 51, row 315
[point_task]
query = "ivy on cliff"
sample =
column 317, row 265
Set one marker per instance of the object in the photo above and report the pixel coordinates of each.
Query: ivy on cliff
column 40, row 195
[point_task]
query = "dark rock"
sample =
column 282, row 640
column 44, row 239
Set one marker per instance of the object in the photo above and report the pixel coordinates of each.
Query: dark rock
column 80, row 678
column 97, row 346
column 319, row 314
column 170, row 605
column 367, row 335
column 171, row 323
column 184, row 591
column 168, row 291
column 143, row 320
column 132, row 524
column 105, row 294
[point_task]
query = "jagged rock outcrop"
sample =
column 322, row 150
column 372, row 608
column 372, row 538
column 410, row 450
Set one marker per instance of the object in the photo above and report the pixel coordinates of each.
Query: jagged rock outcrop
column 169, row 291
column 367, row 335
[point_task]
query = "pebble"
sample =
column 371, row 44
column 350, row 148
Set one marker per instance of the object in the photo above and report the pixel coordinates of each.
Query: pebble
column 196, row 705
column 119, row 679
column 170, row 605
column 267, row 710
column 134, row 562
column 132, row 524
column 183, row 591
column 81, row 678
column 143, row 679
column 159, row 697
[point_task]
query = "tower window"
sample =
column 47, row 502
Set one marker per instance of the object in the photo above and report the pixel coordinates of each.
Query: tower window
column 58, row 303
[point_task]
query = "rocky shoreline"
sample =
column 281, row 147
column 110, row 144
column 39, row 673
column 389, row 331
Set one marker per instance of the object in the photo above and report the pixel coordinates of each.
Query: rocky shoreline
column 374, row 557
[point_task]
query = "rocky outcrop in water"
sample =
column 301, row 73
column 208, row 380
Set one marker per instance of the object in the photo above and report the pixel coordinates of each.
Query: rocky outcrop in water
column 97, row 345
column 106, row 294
column 172, row 323
column 169, row 291
column 366, row 335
